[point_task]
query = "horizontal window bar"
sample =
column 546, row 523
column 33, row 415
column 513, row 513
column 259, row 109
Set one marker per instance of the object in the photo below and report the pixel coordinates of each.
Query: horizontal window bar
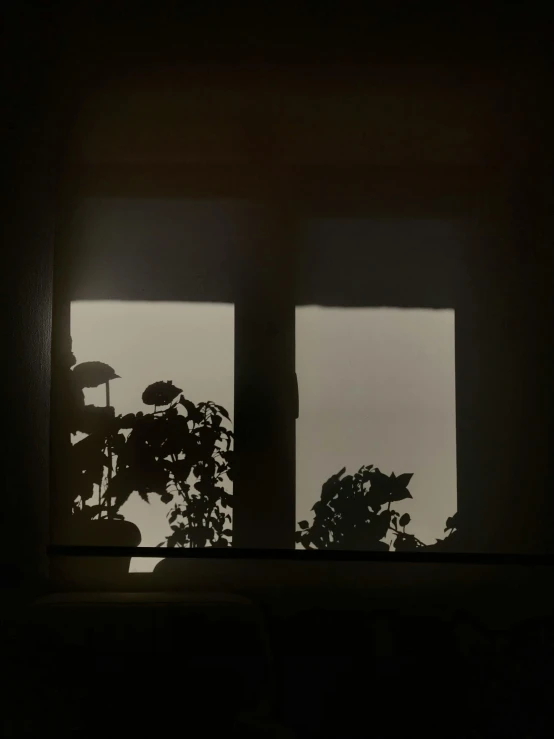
column 528, row 560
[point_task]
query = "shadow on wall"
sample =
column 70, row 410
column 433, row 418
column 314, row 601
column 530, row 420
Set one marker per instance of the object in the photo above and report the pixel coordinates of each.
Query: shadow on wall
column 355, row 512
column 183, row 453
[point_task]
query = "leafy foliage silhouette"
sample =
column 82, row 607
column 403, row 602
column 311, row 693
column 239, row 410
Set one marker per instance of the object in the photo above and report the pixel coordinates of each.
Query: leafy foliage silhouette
column 452, row 542
column 181, row 451
column 355, row 512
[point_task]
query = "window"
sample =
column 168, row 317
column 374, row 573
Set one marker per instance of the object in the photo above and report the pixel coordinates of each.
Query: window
column 168, row 295
column 201, row 293
column 149, row 293
column 137, row 247
column 376, row 381
column 338, row 224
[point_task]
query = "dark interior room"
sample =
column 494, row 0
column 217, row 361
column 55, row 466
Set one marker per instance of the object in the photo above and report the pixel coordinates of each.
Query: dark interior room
column 277, row 286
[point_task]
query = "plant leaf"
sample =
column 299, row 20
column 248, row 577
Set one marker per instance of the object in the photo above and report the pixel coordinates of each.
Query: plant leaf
column 404, row 480
column 93, row 374
column 193, row 414
column 160, row 393
column 226, row 500
column 222, row 411
column 127, row 421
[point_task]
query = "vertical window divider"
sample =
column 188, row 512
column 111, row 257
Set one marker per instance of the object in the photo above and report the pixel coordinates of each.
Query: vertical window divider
column 265, row 399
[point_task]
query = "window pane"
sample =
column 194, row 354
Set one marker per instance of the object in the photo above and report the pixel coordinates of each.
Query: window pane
column 376, row 387
column 150, row 383
column 188, row 344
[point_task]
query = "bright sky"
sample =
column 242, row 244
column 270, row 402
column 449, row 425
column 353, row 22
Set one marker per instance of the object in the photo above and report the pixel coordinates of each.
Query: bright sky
column 376, row 387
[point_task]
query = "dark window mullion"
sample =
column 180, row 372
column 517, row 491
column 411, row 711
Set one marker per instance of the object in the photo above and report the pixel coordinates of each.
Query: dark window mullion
column 264, row 513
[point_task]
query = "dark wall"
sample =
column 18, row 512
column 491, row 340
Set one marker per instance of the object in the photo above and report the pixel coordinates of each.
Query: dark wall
column 31, row 160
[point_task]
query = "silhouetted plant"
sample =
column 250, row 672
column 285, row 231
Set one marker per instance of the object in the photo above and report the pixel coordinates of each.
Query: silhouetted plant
column 355, row 512
column 451, row 542
column 92, row 457
column 181, row 452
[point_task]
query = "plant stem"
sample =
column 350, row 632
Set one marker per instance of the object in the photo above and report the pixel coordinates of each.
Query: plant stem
column 183, row 492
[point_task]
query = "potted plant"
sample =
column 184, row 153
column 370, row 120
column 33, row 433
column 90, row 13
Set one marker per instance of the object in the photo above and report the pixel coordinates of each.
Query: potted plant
column 355, row 512
column 94, row 522
column 181, row 452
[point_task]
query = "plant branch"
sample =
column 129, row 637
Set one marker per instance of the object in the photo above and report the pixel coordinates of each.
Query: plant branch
column 176, row 481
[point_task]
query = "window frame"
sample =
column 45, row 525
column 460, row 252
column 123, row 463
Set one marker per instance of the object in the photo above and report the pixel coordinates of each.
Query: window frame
column 287, row 193
column 256, row 334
